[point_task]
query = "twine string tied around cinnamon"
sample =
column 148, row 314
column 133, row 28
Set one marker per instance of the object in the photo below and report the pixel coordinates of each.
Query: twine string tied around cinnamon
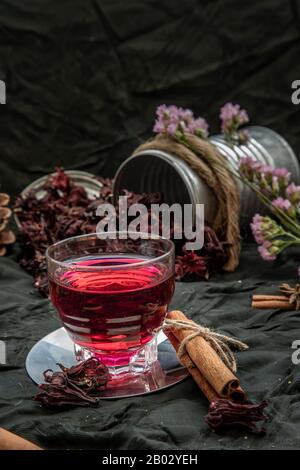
column 222, row 344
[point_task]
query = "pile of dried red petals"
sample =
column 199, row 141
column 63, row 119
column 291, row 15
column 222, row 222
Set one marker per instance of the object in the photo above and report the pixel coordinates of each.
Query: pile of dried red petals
column 79, row 385
column 63, row 212
column 66, row 211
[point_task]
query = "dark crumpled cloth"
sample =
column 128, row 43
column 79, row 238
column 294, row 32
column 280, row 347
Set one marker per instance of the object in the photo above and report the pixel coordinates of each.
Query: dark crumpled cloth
column 83, row 80
column 84, row 77
column 172, row 418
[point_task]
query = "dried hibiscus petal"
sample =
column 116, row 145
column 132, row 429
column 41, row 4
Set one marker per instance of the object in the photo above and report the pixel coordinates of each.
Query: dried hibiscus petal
column 60, row 180
column 107, row 189
column 189, row 263
column 60, row 396
column 214, row 250
column 200, row 264
column 90, row 375
column 78, row 385
column 223, row 413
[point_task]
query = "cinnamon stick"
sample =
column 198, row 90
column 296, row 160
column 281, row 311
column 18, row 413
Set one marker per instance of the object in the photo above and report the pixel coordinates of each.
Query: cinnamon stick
column 200, row 380
column 263, row 297
column 272, row 301
column 283, row 305
column 213, row 369
column 10, row 441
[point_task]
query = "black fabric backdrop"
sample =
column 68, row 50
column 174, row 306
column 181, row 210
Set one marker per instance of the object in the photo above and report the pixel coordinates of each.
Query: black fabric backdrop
column 83, row 80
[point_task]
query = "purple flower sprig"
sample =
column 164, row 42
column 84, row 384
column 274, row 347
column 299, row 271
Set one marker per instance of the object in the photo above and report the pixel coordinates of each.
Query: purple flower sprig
column 176, row 122
column 269, row 235
column 232, row 118
column 292, row 192
column 274, row 189
column 273, row 182
column 285, row 206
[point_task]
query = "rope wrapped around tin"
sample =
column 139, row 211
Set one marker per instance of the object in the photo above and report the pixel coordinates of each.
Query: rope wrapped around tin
column 211, row 166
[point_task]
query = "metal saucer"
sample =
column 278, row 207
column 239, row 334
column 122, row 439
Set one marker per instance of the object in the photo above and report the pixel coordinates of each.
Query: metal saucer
column 58, row 347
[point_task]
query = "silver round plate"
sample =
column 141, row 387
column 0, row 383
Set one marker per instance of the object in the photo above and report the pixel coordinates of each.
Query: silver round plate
column 57, row 347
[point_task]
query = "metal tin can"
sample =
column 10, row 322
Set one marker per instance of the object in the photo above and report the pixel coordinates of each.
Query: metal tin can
column 155, row 170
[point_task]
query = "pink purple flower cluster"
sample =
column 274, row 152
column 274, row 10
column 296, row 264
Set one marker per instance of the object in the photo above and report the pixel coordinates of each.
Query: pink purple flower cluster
column 273, row 182
column 232, row 118
column 282, row 204
column 176, row 121
column 265, row 231
column 293, row 193
column 273, row 187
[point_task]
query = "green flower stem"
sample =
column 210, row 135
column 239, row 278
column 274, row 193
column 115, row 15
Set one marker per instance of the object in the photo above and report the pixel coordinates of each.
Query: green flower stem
column 288, row 244
column 291, row 235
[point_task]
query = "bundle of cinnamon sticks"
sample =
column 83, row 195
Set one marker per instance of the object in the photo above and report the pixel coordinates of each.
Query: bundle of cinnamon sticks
column 208, row 370
column 288, row 299
column 271, row 301
column 228, row 401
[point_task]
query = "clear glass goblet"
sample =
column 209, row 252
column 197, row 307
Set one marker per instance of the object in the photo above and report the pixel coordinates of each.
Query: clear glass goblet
column 112, row 296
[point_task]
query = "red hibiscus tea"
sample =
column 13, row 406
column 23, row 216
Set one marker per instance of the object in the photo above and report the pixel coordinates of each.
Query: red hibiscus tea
column 113, row 311
column 111, row 304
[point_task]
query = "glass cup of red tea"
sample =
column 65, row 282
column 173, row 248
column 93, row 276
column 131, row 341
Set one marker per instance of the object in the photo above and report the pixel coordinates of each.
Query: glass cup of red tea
column 112, row 296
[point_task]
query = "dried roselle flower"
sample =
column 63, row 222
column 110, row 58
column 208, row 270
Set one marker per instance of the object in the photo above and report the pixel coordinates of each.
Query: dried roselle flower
column 91, row 375
column 211, row 241
column 214, row 250
column 55, row 378
column 74, row 227
column 107, row 189
column 61, row 396
column 74, row 386
column 224, row 413
column 190, row 264
column 59, row 181
column 78, row 197
column 202, row 263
